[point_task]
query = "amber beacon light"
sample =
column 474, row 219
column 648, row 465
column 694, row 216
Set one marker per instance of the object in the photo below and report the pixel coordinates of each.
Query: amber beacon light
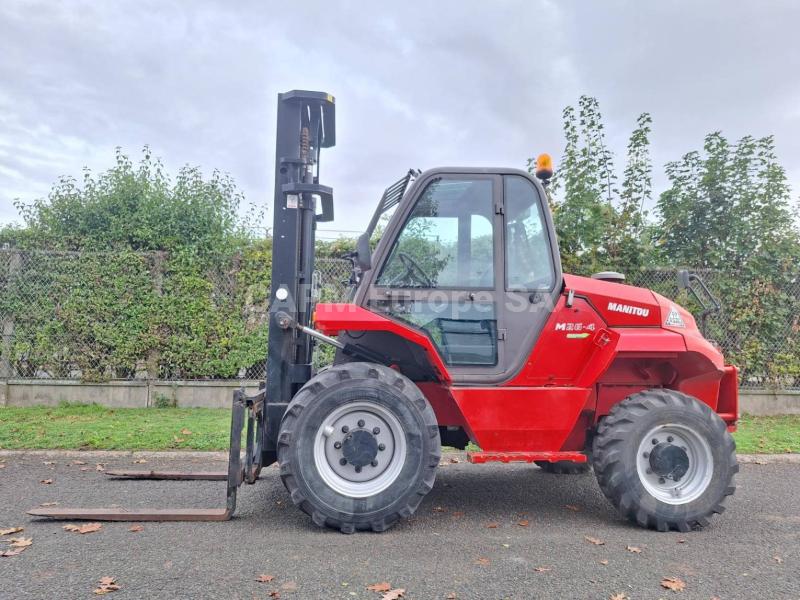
column 544, row 167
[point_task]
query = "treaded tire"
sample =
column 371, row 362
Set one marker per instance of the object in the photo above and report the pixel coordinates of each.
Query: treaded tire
column 616, row 448
column 326, row 392
column 563, row 467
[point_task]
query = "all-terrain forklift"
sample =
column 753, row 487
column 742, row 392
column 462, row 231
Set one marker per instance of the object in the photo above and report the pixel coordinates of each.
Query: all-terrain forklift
column 463, row 331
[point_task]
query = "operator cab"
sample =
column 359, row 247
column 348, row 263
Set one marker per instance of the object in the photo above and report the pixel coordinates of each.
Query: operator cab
column 470, row 258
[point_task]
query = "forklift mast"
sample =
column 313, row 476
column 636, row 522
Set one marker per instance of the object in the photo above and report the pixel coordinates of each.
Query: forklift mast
column 306, row 124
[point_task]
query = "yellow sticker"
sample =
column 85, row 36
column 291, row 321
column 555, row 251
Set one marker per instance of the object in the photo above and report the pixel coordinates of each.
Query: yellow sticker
column 331, row 99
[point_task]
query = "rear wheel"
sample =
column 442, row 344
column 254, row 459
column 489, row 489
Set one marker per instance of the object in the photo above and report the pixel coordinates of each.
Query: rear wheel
column 358, row 447
column 563, row 467
column 665, row 460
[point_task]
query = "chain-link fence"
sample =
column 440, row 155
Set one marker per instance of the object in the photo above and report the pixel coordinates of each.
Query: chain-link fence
column 126, row 315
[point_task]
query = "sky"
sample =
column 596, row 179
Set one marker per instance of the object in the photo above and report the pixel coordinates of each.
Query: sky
column 417, row 84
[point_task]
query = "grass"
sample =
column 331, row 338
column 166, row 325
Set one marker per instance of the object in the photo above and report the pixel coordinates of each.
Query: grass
column 768, row 435
column 93, row 427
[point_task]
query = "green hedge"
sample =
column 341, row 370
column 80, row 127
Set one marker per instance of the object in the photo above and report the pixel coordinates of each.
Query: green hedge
column 101, row 316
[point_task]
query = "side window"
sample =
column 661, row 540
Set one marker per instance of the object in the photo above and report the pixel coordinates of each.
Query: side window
column 448, row 242
column 529, row 263
column 448, row 239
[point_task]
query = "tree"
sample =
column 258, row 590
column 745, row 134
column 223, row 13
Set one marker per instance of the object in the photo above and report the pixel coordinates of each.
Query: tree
column 598, row 226
column 136, row 207
column 729, row 209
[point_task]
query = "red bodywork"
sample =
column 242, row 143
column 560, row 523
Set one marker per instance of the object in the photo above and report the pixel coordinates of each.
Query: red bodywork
column 610, row 343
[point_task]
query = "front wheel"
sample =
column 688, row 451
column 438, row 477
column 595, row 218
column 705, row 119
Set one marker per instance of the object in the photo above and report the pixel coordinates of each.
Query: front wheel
column 665, row 460
column 359, row 447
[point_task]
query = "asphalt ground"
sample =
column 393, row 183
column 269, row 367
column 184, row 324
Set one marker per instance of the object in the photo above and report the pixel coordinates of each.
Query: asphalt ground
column 485, row 531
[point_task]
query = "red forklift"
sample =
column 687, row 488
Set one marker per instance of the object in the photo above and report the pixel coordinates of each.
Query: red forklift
column 463, row 331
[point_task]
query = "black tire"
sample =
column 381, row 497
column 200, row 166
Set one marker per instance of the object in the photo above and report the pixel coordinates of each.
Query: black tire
column 316, row 401
column 563, row 467
column 617, row 448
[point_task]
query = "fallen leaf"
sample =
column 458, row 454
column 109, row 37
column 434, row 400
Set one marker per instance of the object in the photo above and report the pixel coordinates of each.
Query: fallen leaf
column 438, row 509
column 20, row 542
column 380, row 587
column 13, row 552
column 178, row 440
column 2, row 465
column 455, row 459
column 264, row 578
column 777, row 559
column 673, row 583
column 457, row 513
column 483, row 561
column 634, row 549
column 106, row 586
column 604, row 562
column 11, row 530
column 84, row 469
column 274, row 594
column 48, row 462
column 100, row 467
column 185, row 431
column 450, row 596
column 139, row 461
column 49, row 504
column 88, row 528
column 524, row 523
column 289, row 586
column 46, row 481
column 136, row 528
column 78, row 462
column 619, row 596
column 681, row 540
column 594, row 540
column 572, row 507
column 491, row 526
column 393, row 594
column 542, row 569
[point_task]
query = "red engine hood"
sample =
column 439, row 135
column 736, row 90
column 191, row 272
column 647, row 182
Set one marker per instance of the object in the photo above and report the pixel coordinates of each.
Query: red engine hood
column 620, row 305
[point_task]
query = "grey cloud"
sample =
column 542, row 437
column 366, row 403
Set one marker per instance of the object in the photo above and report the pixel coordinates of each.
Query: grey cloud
column 417, row 85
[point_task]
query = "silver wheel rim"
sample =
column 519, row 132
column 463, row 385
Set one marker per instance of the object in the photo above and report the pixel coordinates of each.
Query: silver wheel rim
column 700, row 470
column 370, row 479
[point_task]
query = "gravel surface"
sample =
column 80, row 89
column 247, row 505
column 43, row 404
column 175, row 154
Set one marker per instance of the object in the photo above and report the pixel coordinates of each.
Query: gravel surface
column 467, row 539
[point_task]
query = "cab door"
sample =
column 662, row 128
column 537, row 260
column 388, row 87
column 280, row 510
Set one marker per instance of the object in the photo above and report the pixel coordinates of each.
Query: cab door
column 532, row 267
column 443, row 272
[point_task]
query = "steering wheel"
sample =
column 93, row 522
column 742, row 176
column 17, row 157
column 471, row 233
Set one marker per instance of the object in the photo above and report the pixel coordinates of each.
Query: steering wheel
column 412, row 269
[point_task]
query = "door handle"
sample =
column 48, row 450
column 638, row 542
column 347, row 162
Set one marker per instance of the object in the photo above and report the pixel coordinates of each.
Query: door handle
column 400, row 295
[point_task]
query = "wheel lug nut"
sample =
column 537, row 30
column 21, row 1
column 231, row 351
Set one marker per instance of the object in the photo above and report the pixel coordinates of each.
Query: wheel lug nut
column 654, row 441
column 374, row 463
column 361, row 422
column 345, row 429
column 683, row 448
column 381, row 447
column 649, row 471
column 661, row 480
column 646, row 455
column 343, row 461
column 376, row 430
column 337, row 445
column 670, row 438
column 358, row 469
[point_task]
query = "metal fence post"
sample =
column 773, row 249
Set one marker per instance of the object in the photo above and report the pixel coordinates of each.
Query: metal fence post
column 6, row 369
